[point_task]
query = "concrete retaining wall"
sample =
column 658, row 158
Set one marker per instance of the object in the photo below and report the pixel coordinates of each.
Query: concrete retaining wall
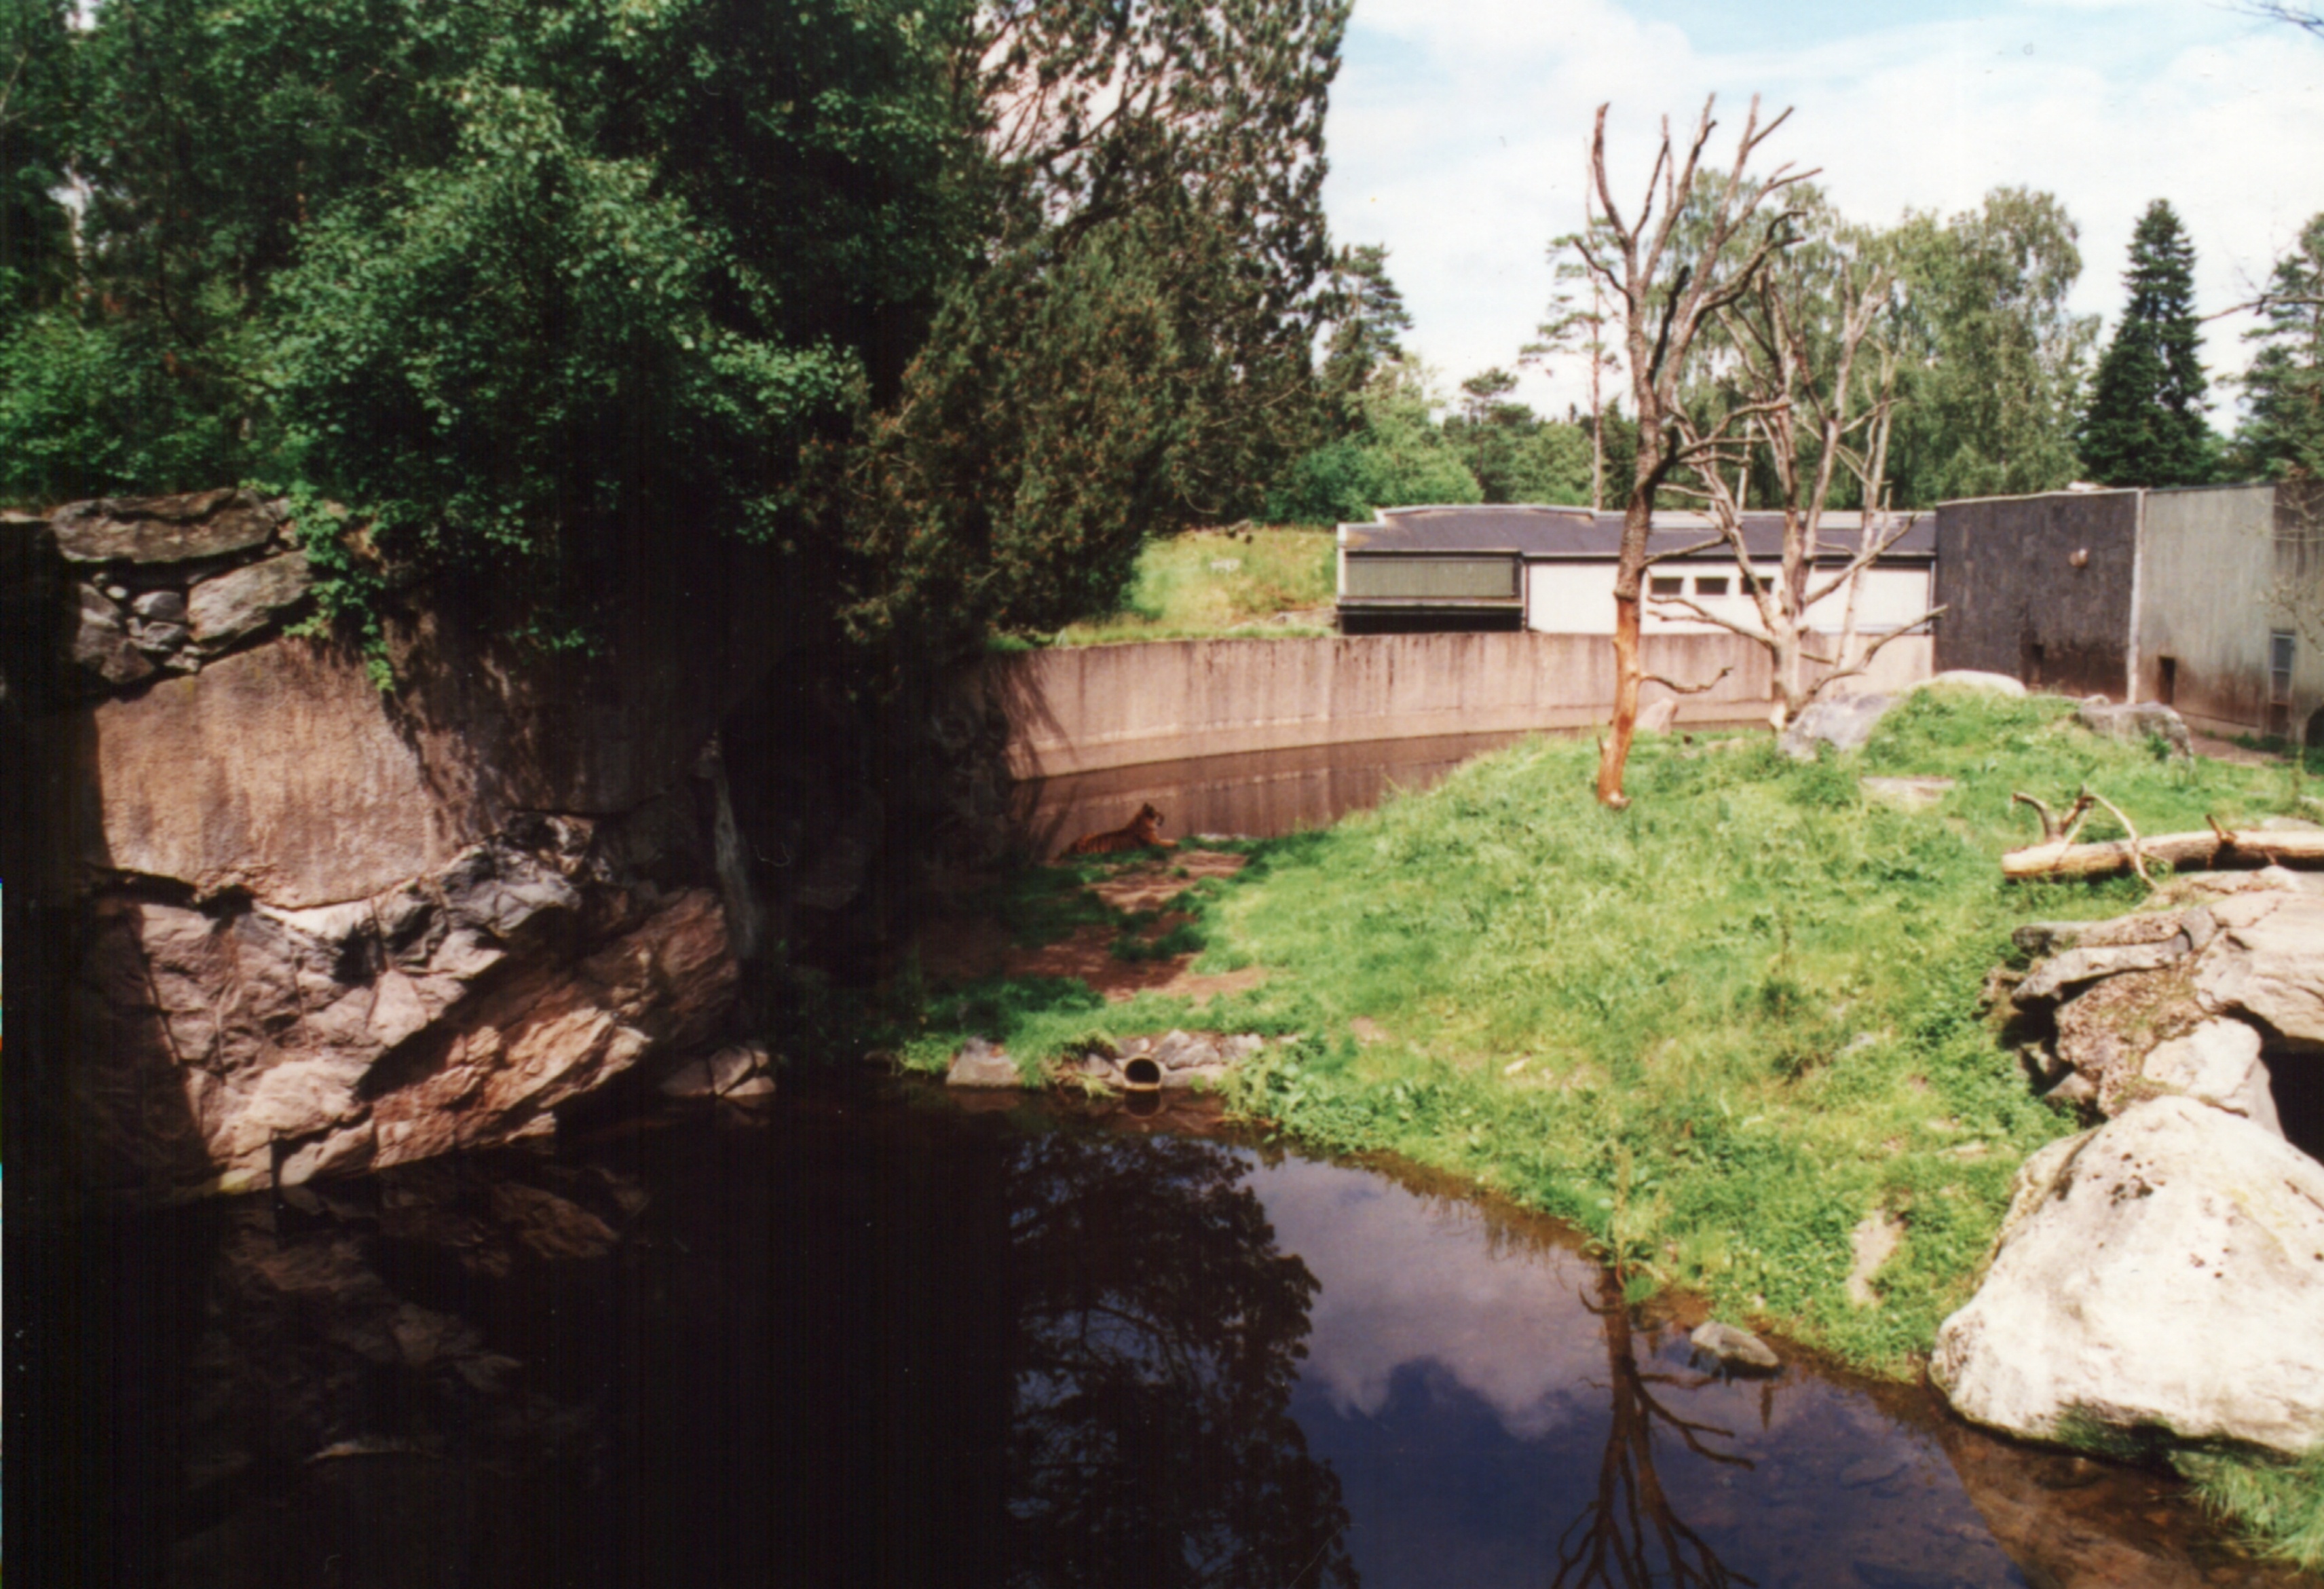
column 1090, row 708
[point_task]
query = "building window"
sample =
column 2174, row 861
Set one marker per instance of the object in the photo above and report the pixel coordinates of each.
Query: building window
column 2278, row 683
column 1711, row 587
column 1662, row 585
column 2166, row 688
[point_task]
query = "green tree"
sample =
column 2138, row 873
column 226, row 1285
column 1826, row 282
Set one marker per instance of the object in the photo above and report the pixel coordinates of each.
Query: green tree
column 1133, row 355
column 1400, row 457
column 35, row 133
column 1514, row 454
column 1990, row 363
column 2282, row 432
column 2145, row 424
column 531, row 282
column 1368, row 318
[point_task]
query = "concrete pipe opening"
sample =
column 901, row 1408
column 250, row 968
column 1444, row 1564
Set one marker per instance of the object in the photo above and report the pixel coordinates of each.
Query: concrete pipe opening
column 1141, row 1076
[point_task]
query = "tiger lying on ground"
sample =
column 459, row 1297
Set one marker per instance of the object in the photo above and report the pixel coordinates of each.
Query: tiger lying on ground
column 1142, row 832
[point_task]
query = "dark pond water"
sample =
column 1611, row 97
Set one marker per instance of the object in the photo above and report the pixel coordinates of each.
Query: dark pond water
column 1262, row 794
column 887, row 1340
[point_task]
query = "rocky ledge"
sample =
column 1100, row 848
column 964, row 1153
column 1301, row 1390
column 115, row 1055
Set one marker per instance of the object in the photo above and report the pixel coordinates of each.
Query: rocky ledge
column 233, row 1044
column 2163, row 1272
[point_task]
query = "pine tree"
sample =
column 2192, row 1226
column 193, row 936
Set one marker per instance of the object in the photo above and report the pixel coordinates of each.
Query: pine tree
column 2145, row 424
column 1372, row 315
column 2284, row 433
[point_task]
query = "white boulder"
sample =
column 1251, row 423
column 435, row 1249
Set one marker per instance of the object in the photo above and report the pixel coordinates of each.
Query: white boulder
column 2218, row 1064
column 2268, row 962
column 2164, row 1269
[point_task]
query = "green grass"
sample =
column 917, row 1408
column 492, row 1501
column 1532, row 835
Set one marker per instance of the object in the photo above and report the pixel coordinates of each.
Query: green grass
column 2280, row 1505
column 1715, row 1030
column 1183, row 591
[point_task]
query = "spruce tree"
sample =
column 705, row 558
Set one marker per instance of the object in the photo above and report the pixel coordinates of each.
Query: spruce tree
column 2284, row 432
column 2145, row 424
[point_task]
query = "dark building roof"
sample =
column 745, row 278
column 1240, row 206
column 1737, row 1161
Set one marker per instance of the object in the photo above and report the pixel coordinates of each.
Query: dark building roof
column 1580, row 535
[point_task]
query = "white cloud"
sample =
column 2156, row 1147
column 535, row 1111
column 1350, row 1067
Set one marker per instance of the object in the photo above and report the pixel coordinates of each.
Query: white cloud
column 1457, row 135
column 1400, row 1287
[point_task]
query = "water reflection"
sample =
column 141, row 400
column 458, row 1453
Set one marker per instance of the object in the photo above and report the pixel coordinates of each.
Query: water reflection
column 1259, row 794
column 869, row 1344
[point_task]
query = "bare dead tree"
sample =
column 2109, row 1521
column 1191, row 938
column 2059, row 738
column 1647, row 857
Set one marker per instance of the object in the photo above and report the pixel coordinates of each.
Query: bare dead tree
column 1805, row 417
column 1667, row 293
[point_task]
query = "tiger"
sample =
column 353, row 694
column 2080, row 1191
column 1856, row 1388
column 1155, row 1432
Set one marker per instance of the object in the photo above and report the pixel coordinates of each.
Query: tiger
column 1142, row 832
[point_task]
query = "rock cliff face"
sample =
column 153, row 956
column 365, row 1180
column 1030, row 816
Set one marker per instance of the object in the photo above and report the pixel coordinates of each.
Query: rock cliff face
column 316, row 927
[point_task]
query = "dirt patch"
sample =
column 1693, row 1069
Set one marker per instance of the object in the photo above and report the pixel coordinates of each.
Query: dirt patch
column 1148, row 885
column 972, row 948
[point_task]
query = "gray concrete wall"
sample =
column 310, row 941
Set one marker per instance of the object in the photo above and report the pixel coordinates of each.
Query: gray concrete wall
column 2203, row 602
column 2007, row 579
column 1090, row 708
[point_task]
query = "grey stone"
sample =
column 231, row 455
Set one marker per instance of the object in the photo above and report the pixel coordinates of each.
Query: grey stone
column 1658, row 718
column 1907, row 794
column 2134, row 722
column 2164, row 1269
column 164, row 529
column 2049, row 980
column 247, row 599
column 1844, row 722
column 2267, row 963
column 101, row 646
column 2073, row 1090
column 2201, row 926
column 2000, row 684
column 157, row 638
column 160, row 606
column 1734, row 1349
column 2218, row 1064
column 980, row 1064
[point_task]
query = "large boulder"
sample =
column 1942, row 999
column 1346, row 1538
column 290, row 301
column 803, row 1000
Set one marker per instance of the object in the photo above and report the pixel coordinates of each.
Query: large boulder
column 1843, row 722
column 1969, row 678
column 2165, row 1270
column 2267, row 962
column 2136, row 723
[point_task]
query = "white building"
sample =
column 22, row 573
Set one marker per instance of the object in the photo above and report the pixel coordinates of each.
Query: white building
column 1550, row 569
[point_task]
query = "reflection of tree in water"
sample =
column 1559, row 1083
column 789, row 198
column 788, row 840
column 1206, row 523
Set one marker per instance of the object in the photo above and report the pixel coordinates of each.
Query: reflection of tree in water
column 1629, row 1536
column 1158, row 1332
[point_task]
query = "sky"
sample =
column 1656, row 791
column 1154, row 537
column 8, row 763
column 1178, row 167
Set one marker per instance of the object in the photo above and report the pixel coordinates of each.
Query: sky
column 1458, row 131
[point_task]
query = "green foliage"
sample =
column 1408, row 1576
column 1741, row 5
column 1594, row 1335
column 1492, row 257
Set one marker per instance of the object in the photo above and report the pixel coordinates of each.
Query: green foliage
column 2282, row 433
column 533, row 285
column 36, row 110
column 1398, row 457
column 2145, row 424
column 93, row 403
column 1367, row 315
column 1991, row 362
column 2279, row 1504
column 1514, row 454
column 1206, row 583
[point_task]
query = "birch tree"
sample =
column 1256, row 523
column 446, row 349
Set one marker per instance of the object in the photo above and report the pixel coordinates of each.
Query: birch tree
column 1667, row 294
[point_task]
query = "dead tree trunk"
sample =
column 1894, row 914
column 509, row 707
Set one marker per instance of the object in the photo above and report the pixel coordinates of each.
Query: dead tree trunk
column 1666, row 298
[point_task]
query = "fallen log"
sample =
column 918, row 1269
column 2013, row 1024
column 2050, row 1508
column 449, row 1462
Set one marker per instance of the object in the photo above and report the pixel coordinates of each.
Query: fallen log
column 2216, row 850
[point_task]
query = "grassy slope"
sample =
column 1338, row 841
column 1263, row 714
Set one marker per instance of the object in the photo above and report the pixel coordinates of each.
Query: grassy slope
column 1179, row 595
column 1717, row 1031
